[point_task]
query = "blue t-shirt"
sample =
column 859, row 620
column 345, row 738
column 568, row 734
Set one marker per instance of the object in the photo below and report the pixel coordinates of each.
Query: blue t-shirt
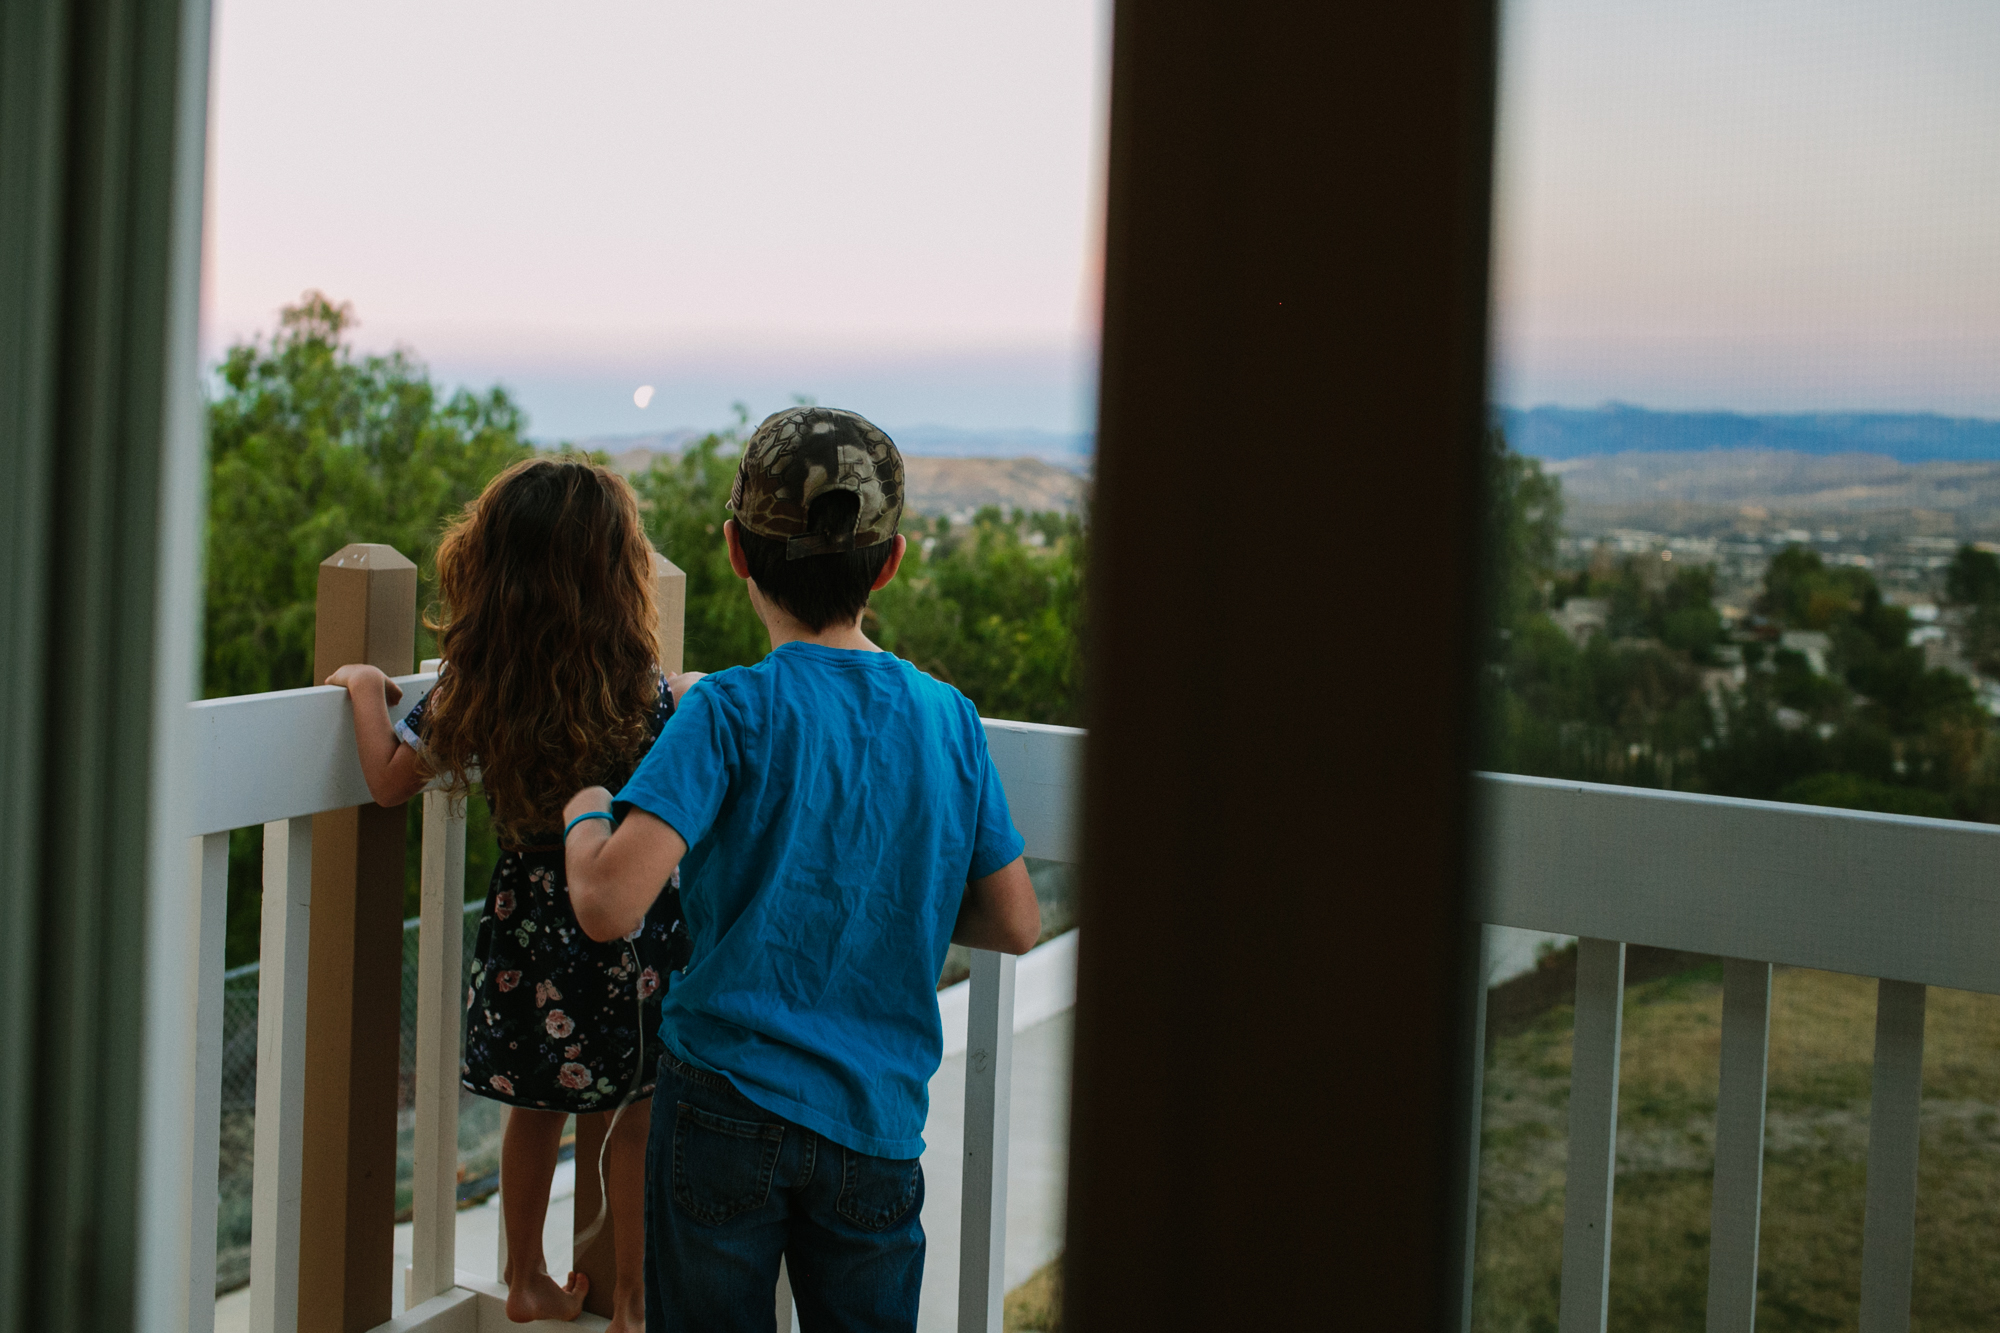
column 834, row 803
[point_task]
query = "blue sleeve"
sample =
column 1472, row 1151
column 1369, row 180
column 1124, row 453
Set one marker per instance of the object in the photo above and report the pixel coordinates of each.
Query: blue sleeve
column 995, row 842
column 684, row 777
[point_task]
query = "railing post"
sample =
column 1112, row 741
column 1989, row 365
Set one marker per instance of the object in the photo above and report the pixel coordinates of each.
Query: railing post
column 1472, row 1086
column 670, row 599
column 440, row 1021
column 989, row 1071
column 366, row 613
column 1593, row 1136
column 787, row 1310
column 1736, row 1205
column 1889, row 1224
column 284, row 974
column 208, row 866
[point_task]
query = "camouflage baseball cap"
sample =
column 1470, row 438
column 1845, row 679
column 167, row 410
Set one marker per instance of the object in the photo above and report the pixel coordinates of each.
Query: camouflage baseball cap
column 802, row 453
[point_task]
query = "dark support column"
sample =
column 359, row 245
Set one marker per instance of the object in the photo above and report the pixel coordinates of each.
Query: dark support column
column 367, row 612
column 1269, row 1009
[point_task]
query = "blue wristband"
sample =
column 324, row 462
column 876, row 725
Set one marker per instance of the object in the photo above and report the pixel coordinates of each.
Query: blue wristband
column 589, row 814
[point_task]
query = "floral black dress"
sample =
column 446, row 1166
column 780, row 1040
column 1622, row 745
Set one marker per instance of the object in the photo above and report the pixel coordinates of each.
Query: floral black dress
column 553, row 1020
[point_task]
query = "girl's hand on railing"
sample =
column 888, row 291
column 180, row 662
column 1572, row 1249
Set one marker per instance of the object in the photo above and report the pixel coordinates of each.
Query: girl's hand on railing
column 357, row 675
column 389, row 766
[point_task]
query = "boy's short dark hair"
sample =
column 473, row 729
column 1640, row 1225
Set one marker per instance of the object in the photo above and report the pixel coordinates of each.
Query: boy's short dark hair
column 817, row 590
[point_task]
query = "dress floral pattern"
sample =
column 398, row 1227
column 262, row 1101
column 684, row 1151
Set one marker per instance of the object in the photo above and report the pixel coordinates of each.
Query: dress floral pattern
column 554, row 1020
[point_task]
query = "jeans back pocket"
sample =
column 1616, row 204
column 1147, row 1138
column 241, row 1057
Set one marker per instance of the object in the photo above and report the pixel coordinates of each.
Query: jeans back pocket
column 722, row 1167
column 876, row 1192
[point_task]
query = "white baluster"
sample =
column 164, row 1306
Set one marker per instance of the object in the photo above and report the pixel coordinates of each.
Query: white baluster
column 184, row 1076
column 1889, row 1226
column 989, row 1069
column 276, row 1188
column 1739, row 1147
column 1472, row 1086
column 1593, row 1136
column 440, row 1021
column 787, row 1314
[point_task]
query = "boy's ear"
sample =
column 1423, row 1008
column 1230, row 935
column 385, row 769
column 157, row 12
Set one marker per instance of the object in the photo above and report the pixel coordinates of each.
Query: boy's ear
column 735, row 543
column 891, row 565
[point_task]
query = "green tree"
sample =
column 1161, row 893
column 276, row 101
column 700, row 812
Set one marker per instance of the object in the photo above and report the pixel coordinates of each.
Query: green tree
column 1522, row 529
column 684, row 499
column 1973, row 577
column 996, row 608
column 1972, row 583
column 312, row 446
column 1800, row 592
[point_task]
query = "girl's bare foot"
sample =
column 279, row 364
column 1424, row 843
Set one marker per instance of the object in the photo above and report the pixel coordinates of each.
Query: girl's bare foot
column 631, row 1318
column 538, row 1297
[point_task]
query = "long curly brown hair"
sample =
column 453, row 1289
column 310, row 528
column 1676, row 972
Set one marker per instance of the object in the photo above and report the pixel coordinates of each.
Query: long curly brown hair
column 547, row 635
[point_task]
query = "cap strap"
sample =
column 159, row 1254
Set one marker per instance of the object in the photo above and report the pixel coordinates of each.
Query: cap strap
column 818, row 543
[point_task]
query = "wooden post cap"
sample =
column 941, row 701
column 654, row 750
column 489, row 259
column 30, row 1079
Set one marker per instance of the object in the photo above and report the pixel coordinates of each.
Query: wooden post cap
column 367, row 610
column 367, row 555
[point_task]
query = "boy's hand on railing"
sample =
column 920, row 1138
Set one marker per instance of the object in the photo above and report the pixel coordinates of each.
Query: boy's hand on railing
column 678, row 685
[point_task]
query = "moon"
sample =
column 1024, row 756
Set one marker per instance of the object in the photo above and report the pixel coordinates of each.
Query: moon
column 642, row 395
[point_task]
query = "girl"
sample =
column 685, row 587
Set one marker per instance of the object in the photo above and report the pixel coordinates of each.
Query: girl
column 551, row 684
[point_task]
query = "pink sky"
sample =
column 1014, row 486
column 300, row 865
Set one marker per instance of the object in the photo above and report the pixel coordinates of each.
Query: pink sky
column 616, row 193
column 1781, row 205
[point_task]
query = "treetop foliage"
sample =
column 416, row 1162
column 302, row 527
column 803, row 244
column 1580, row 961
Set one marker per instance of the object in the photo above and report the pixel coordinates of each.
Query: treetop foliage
column 1666, row 696
column 312, row 447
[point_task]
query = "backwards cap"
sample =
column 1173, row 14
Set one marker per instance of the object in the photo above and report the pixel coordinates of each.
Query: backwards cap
column 802, row 453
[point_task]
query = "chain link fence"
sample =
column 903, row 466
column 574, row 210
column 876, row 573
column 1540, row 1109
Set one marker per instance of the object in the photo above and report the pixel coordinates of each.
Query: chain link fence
column 479, row 1121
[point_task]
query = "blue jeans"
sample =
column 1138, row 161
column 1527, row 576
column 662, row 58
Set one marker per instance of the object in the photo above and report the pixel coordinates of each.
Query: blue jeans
column 731, row 1187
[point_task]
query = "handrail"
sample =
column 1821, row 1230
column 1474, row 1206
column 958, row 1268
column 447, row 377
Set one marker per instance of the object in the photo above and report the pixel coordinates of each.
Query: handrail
column 1913, row 902
column 1843, row 890
column 254, row 758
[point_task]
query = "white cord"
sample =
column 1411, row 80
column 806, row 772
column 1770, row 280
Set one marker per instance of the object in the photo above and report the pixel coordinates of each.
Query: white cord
column 589, row 1233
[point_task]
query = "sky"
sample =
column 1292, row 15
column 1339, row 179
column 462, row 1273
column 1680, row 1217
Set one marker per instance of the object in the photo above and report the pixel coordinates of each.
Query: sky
column 1762, row 205
column 895, row 205
column 889, row 204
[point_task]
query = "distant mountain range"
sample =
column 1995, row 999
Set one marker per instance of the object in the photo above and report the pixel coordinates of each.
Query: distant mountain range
column 1558, row 433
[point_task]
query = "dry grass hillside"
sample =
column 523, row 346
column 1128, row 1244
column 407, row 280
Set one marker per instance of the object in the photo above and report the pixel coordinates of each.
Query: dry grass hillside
column 1692, row 492
column 1815, row 1169
column 965, row 485
column 954, row 486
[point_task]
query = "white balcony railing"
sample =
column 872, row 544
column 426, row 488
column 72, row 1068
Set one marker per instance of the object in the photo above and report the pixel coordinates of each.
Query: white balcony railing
column 277, row 760
column 1912, row 902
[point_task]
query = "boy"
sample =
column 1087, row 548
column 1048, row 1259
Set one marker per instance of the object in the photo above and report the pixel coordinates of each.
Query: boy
column 837, row 820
